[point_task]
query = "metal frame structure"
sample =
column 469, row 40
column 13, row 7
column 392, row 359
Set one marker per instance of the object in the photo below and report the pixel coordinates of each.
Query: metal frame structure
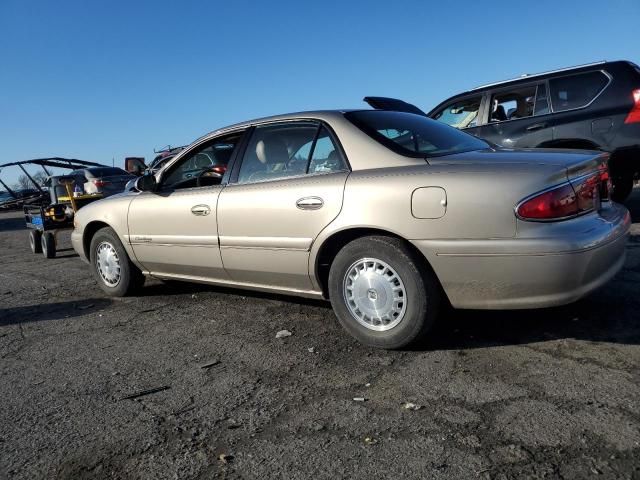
column 52, row 162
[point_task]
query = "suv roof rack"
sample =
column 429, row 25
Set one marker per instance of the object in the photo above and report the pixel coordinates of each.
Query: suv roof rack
column 527, row 75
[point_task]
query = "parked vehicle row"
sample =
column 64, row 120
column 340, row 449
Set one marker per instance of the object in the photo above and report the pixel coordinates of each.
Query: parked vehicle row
column 593, row 107
column 387, row 214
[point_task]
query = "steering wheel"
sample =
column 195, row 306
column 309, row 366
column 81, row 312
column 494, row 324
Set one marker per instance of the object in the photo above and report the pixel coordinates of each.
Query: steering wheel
column 207, row 173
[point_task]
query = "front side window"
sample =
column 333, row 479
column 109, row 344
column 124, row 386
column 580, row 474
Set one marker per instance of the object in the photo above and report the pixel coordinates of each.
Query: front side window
column 288, row 150
column 414, row 135
column 461, row 114
column 204, row 166
column 575, row 91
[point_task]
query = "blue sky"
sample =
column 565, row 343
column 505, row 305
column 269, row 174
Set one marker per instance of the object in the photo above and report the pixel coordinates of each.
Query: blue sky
column 106, row 79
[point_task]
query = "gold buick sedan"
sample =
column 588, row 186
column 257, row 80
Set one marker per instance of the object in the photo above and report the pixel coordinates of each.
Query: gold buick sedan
column 386, row 214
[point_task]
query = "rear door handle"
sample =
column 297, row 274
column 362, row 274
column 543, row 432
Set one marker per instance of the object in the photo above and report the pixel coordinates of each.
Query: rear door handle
column 201, row 210
column 536, row 126
column 310, row 203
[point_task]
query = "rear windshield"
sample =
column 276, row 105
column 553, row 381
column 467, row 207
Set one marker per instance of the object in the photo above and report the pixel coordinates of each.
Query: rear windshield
column 106, row 172
column 414, row 135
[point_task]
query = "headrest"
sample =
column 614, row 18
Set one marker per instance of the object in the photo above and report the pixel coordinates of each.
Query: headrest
column 271, row 150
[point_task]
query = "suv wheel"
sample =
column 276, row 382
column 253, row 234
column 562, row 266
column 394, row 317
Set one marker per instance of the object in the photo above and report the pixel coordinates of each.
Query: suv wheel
column 380, row 294
column 622, row 187
column 111, row 266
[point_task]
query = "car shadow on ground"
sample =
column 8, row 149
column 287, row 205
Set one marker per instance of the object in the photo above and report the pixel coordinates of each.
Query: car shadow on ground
column 584, row 320
column 175, row 287
column 590, row 319
column 51, row 311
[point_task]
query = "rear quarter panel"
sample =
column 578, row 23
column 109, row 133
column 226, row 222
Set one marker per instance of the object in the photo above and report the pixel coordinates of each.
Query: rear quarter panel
column 480, row 200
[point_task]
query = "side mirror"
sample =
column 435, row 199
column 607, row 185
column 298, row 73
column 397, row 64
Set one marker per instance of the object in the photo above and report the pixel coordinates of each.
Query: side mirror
column 146, row 183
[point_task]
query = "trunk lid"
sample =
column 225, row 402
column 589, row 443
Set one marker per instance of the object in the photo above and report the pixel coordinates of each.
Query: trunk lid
column 574, row 163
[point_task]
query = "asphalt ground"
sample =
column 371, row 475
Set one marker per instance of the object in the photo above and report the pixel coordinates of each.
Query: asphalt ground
column 190, row 381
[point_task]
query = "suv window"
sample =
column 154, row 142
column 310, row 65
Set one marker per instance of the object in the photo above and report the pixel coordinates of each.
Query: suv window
column 204, row 166
column 517, row 102
column 287, row 150
column 413, row 135
column 461, row 114
column 575, row 91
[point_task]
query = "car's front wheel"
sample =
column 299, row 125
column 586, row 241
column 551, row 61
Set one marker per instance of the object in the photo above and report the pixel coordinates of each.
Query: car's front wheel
column 381, row 293
column 111, row 266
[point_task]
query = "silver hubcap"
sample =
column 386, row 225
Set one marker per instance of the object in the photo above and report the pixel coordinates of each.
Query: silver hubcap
column 374, row 294
column 108, row 264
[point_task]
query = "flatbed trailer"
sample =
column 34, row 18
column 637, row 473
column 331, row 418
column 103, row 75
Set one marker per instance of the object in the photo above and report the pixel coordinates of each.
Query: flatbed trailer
column 48, row 212
column 44, row 222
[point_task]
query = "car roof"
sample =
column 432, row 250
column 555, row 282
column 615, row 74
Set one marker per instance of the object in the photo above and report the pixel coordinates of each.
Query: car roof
column 526, row 78
column 325, row 115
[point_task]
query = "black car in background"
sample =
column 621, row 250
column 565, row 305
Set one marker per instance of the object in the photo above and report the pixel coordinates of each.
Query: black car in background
column 594, row 106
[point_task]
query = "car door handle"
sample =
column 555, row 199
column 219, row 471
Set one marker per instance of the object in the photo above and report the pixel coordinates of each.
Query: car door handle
column 536, row 126
column 201, row 210
column 310, row 203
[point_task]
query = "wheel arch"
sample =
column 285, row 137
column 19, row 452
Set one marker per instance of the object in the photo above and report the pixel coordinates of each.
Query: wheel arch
column 88, row 233
column 571, row 143
column 331, row 245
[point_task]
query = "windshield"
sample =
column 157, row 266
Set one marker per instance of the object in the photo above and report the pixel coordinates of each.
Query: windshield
column 413, row 135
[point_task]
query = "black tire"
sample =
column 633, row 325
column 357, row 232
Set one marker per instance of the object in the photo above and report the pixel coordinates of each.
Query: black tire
column 48, row 245
column 34, row 241
column 622, row 186
column 128, row 278
column 420, row 285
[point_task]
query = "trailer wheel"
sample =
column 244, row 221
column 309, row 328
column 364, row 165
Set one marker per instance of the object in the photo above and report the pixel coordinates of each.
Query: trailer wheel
column 35, row 241
column 48, row 243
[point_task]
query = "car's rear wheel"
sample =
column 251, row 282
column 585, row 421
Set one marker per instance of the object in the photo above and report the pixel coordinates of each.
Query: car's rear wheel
column 34, row 241
column 117, row 276
column 381, row 293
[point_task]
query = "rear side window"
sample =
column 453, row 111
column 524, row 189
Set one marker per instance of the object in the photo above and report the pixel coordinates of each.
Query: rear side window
column 575, row 91
column 413, row 135
column 289, row 149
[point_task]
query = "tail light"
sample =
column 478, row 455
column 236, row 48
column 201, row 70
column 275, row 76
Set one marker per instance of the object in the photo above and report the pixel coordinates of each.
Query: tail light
column 605, row 185
column 634, row 114
column 100, row 183
column 579, row 196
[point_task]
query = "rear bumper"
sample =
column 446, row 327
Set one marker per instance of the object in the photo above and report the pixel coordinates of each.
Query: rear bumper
column 544, row 266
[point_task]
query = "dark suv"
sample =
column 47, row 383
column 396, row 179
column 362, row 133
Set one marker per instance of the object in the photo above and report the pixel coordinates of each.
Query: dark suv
column 595, row 106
